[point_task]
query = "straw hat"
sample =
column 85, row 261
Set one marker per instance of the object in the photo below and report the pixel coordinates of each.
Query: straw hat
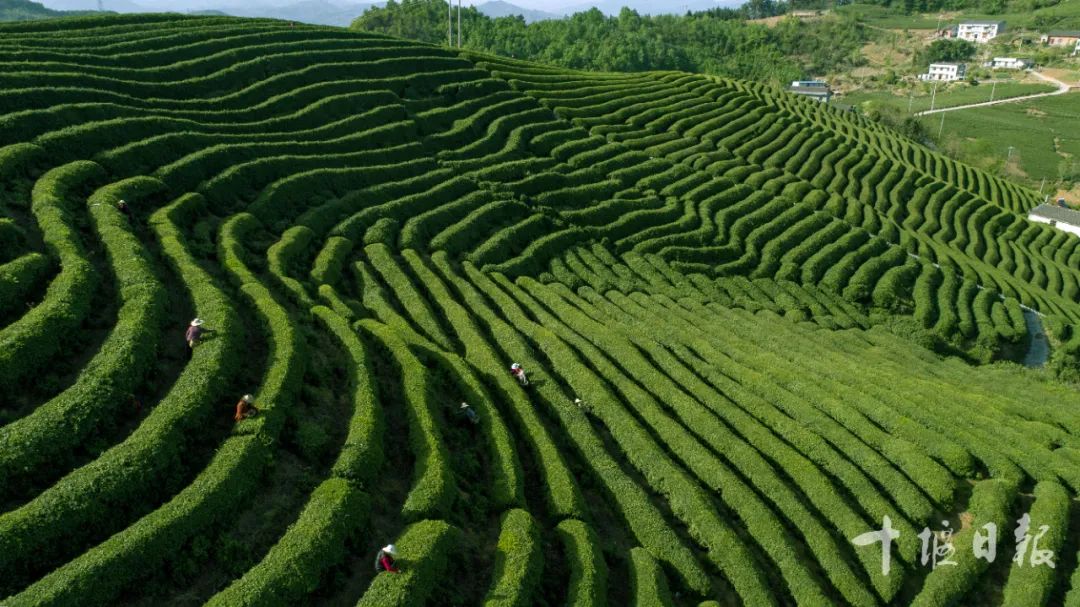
column 197, row 322
column 249, row 399
column 515, row 366
column 390, row 549
column 464, row 405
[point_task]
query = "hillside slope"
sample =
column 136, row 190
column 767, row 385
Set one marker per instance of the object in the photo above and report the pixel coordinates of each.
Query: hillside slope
column 721, row 295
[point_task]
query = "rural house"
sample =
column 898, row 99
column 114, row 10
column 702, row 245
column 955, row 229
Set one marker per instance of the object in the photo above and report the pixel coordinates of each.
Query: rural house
column 817, row 90
column 1061, row 38
column 944, row 72
column 979, row 31
column 1008, row 63
column 1061, row 218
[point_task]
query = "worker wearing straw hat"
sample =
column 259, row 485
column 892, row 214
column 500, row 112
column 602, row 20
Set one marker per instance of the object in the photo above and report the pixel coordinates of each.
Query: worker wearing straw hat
column 194, row 332
column 469, row 413
column 245, row 407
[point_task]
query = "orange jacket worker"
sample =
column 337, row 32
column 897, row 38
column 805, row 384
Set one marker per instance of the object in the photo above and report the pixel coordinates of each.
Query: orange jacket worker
column 245, row 407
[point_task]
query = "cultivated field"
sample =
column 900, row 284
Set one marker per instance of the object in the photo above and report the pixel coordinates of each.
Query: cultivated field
column 957, row 94
column 1062, row 15
column 1044, row 134
column 732, row 305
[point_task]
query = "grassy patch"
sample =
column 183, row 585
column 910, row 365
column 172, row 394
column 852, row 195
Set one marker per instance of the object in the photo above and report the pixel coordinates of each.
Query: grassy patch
column 947, row 95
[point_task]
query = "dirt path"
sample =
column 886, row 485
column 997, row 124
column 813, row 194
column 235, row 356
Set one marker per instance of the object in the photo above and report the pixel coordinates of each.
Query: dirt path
column 1062, row 89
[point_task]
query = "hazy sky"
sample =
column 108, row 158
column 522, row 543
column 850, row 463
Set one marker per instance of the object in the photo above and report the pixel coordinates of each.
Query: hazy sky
column 547, row 5
column 166, row 4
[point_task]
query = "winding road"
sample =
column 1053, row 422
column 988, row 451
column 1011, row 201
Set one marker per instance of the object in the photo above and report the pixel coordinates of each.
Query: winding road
column 1062, row 89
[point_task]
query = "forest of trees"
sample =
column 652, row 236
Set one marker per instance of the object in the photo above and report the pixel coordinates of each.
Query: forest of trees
column 718, row 41
column 946, row 50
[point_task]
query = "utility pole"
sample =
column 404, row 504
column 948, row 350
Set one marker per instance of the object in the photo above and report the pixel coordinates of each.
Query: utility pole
column 911, row 99
column 992, row 89
column 449, row 22
column 459, row 23
column 933, row 97
column 1042, row 185
column 1009, row 155
column 941, row 127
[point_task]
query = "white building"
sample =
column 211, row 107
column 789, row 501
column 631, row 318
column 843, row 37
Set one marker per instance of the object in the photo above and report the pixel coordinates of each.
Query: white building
column 1064, row 219
column 979, row 31
column 1008, row 63
column 944, row 72
column 817, row 90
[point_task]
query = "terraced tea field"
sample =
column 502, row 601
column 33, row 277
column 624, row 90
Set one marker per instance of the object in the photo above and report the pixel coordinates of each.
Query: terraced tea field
column 699, row 276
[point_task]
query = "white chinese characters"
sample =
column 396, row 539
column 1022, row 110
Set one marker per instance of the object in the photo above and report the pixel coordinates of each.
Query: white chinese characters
column 938, row 548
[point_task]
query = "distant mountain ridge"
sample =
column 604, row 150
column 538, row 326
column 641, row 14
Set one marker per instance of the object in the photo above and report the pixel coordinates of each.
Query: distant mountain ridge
column 342, row 12
column 118, row 6
column 650, row 7
column 19, row 10
column 318, row 12
column 25, row 10
column 499, row 8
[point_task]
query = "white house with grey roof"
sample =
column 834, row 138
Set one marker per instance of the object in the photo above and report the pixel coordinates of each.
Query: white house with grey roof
column 1061, row 218
column 817, row 90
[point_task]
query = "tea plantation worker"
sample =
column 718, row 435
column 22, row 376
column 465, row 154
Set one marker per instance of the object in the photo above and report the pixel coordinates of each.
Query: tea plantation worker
column 124, row 208
column 384, row 560
column 519, row 373
column 194, row 332
column 245, row 407
column 469, row 413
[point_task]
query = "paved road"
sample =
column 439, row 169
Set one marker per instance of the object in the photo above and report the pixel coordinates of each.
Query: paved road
column 1061, row 90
